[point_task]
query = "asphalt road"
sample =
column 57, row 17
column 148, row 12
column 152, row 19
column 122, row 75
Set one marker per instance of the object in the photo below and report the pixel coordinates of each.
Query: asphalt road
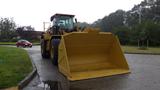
column 145, row 74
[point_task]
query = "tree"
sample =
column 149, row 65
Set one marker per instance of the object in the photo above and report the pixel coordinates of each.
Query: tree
column 97, row 23
column 153, row 31
column 108, row 23
column 29, row 28
column 148, row 30
column 7, row 29
column 142, row 22
column 26, row 32
column 83, row 25
column 123, row 34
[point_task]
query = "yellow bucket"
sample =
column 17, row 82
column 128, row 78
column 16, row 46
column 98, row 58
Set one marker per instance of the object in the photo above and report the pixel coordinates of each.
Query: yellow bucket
column 84, row 55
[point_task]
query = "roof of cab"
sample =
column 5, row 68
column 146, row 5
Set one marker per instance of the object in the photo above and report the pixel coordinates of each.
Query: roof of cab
column 59, row 14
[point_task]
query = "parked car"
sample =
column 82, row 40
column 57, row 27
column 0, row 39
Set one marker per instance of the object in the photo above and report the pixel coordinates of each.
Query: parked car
column 23, row 43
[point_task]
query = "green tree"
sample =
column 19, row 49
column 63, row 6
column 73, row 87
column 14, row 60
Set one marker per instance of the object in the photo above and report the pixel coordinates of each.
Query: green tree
column 123, row 34
column 83, row 25
column 147, row 30
column 127, row 25
column 108, row 23
column 26, row 32
column 7, row 29
column 153, row 31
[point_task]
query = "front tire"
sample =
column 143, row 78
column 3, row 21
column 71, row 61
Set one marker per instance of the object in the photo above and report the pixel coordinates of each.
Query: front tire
column 54, row 51
column 54, row 86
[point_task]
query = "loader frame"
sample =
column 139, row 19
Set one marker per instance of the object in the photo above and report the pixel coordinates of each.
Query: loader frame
column 83, row 55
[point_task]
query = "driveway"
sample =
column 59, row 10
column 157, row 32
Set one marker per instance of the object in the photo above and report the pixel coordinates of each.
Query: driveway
column 145, row 72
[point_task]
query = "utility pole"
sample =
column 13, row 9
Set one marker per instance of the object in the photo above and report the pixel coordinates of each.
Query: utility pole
column 44, row 25
column 140, row 14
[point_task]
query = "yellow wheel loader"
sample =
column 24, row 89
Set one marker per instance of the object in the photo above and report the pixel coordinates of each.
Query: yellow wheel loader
column 83, row 54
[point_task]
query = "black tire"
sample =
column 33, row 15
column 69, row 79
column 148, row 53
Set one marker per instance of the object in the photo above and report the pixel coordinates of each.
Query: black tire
column 54, row 86
column 54, row 51
column 44, row 52
column 24, row 46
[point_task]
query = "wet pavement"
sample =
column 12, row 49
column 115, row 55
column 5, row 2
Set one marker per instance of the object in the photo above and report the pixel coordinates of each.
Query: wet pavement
column 34, row 84
column 47, row 72
column 145, row 72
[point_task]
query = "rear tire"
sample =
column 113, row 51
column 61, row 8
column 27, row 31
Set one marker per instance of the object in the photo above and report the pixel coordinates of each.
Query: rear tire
column 44, row 52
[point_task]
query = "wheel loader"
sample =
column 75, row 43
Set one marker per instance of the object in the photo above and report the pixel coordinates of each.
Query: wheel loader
column 81, row 54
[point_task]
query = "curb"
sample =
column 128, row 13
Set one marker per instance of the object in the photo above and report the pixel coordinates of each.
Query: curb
column 30, row 76
column 142, row 53
column 27, row 79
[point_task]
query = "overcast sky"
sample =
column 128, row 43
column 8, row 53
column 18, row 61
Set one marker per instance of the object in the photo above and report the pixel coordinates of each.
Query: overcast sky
column 35, row 12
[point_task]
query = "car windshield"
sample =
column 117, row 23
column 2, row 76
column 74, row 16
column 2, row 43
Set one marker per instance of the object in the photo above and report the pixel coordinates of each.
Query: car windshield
column 23, row 41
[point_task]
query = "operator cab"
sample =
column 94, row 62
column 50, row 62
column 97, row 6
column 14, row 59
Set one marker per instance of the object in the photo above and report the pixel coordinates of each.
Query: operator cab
column 63, row 22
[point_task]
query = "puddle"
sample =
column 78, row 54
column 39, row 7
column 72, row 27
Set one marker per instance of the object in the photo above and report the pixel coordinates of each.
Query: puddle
column 44, row 86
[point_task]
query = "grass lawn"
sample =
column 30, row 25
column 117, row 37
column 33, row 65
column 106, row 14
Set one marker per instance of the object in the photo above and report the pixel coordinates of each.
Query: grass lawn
column 14, row 66
column 14, row 43
column 134, row 49
column 7, row 43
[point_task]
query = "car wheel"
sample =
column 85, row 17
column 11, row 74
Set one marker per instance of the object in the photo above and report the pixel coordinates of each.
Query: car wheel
column 24, row 46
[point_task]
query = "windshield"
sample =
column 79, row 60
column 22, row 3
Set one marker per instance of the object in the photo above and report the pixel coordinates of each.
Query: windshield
column 65, row 22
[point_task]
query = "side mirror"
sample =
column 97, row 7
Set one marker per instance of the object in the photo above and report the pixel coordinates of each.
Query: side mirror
column 76, row 20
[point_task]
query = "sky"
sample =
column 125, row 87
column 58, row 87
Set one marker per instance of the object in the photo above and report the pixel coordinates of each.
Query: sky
column 35, row 12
